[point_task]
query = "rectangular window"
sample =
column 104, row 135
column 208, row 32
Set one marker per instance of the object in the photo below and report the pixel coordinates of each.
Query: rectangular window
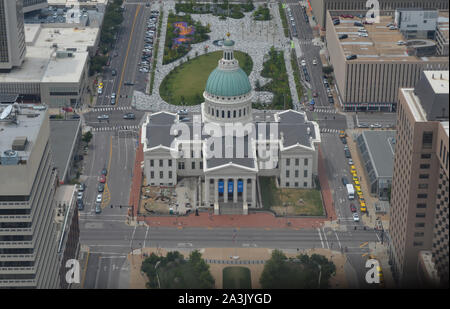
column 287, row 184
column 296, row 184
column 305, row 184
column 152, row 175
column 170, row 163
column 424, row 176
column 193, row 165
column 288, row 162
column 151, row 163
column 427, row 140
column 424, row 166
column 425, row 156
column 420, row 224
column 305, row 173
column 297, row 162
column 170, row 174
column 201, row 165
column 423, row 186
column 418, row 243
column 440, row 150
column 422, row 195
column 161, row 163
column 420, row 215
column 421, row 205
column 296, row 174
column 161, row 174
column 306, row 162
column 419, row 234
column 181, row 165
column 287, row 174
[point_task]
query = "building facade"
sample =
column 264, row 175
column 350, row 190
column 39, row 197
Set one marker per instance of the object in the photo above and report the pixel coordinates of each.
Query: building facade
column 28, row 245
column 33, row 5
column 12, row 34
column 228, row 145
column 419, row 197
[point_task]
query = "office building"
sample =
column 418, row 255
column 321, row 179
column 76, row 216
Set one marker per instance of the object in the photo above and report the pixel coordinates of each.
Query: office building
column 419, row 198
column 320, row 7
column 372, row 62
column 28, row 245
column 12, row 34
column 283, row 145
column 416, row 23
column 33, row 5
column 442, row 34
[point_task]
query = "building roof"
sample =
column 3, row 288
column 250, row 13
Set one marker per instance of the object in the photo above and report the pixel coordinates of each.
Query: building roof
column 62, row 141
column 28, row 126
column 158, row 130
column 379, row 45
column 443, row 24
column 228, row 83
column 381, row 146
column 294, row 129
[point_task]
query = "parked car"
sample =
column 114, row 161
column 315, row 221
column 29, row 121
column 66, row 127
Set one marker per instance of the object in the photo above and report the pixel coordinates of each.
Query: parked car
column 344, row 141
column 351, row 57
column 303, row 62
column 363, row 125
column 343, row 36
column 102, row 179
column 113, row 95
column 80, row 195
column 352, row 207
column 347, row 154
column 99, row 198
column 98, row 208
column 314, row 62
column 100, row 90
column 113, row 101
column 75, row 116
column 80, row 204
column 331, row 100
column 344, row 181
column 104, row 171
column 376, row 125
column 315, row 94
column 81, row 187
column 113, row 72
column 356, row 217
column 101, row 187
column 350, row 162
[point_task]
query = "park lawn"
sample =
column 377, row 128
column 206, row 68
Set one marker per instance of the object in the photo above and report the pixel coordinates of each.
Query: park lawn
column 288, row 199
column 189, row 80
column 236, row 277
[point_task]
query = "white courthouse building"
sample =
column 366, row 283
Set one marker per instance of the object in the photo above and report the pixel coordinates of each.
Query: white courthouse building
column 227, row 146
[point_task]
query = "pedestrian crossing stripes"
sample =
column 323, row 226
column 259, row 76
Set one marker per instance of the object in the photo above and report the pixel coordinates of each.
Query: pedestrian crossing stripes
column 325, row 110
column 106, row 109
column 115, row 128
column 326, row 130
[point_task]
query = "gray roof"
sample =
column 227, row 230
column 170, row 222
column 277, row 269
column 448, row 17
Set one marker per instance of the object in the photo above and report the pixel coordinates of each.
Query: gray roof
column 62, row 135
column 236, row 158
column 158, row 130
column 294, row 127
column 381, row 146
column 8, row 98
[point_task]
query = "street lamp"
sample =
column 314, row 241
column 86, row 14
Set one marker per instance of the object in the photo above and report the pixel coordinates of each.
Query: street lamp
column 157, row 277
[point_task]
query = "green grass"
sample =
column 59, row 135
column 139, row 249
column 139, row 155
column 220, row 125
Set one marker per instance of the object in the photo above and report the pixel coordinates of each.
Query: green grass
column 236, row 277
column 280, row 200
column 188, row 81
column 296, row 70
column 283, row 19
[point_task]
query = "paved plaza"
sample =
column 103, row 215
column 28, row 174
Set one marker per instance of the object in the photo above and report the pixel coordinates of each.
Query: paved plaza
column 252, row 37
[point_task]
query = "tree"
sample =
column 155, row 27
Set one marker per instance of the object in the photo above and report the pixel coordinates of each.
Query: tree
column 87, row 137
column 327, row 70
column 257, row 85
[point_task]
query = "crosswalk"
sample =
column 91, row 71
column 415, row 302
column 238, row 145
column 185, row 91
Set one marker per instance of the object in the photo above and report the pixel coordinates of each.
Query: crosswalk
column 107, row 109
column 326, row 130
column 325, row 110
column 115, row 128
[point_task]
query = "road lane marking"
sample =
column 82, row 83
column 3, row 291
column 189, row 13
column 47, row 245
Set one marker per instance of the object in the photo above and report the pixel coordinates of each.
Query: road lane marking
column 320, row 235
column 339, row 242
column 379, row 239
column 126, row 54
column 85, row 268
column 325, row 236
column 132, row 236
column 145, row 238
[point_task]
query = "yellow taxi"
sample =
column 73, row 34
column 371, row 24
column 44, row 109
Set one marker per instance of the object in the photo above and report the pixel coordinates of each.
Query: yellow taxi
column 355, row 179
column 358, row 188
column 360, row 194
column 100, row 85
column 357, row 183
column 354, row 174
column 352, row 168
column 362, row 205
column 342, row 134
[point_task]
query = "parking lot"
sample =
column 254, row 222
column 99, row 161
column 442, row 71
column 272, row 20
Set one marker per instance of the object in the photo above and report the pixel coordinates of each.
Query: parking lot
column 375, row 120
column 149, row 40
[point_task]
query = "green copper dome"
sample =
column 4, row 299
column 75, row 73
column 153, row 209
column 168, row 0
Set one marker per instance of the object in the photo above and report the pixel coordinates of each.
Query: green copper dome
column 228, row 83
column 228, row 42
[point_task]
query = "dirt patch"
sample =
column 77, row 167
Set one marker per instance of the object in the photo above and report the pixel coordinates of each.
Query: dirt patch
column 156, row 200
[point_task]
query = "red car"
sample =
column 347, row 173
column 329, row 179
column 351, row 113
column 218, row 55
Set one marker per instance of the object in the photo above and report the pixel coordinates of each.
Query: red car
column 103, row 179
column 352, row 207
column 315, row 94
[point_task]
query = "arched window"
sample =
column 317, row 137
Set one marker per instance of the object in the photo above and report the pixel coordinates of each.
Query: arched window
column 234, row 114
column 240, row 113
column 217, row 113
column 244, row 111
column 223, row 114
column 212, row 111
column 229, row 114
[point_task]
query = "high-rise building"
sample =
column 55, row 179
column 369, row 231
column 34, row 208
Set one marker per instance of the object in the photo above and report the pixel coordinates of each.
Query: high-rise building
column 12, row 34
column 419, row 199
column 28, row 243
column 32, row 5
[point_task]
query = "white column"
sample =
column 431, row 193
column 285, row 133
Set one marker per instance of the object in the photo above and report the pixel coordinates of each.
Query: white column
column 235, row 195
column 207, row 192
column 244, row 191
column 253, row 192
column 225, row 190
column 216, row 190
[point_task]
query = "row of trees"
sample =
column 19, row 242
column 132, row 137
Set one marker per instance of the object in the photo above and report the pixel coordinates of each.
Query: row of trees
column 223, row 9
column 174, row 272
column 303, row 272
column 275, row 69
column 262, row 13
column 111, row 23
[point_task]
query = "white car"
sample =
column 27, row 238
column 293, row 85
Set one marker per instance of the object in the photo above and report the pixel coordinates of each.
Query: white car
column 80, row 195
column 315, row 62
column 362, row 34
column 100, row 90
column 98, row 199
column 303, row 62
column 350, row 162
column 356, row 217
